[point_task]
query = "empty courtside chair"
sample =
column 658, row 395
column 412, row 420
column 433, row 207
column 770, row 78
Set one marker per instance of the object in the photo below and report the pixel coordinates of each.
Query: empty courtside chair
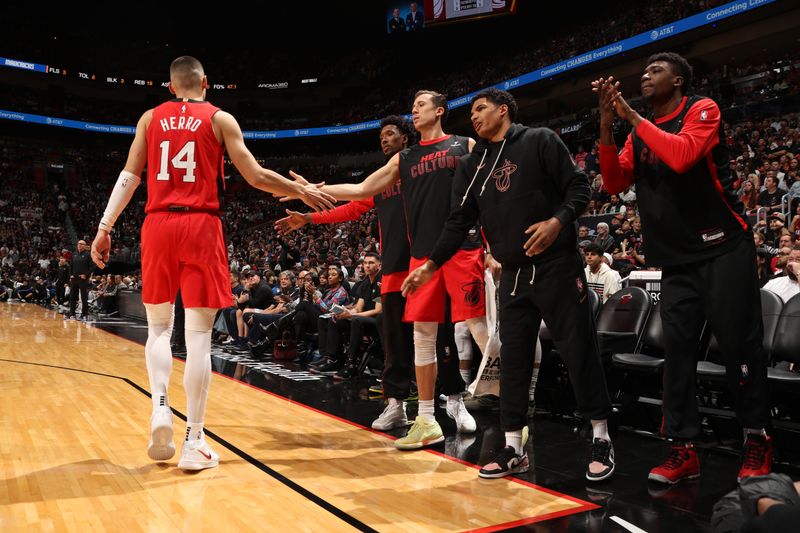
column 621, row 321
column 650, row 355
column 786, row 344
column 771, row 311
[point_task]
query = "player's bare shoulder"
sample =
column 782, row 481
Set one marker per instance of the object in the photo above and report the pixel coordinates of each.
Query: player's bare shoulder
column 224, row 125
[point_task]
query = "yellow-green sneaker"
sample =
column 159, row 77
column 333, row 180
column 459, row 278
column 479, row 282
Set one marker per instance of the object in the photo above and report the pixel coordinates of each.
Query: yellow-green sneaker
column 423, row 433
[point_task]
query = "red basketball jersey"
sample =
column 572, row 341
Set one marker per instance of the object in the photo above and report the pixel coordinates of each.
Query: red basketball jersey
column 184, row 158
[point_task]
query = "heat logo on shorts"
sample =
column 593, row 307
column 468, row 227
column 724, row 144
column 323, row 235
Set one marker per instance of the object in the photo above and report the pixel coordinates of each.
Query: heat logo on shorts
column 472, row 292
column 502, row 176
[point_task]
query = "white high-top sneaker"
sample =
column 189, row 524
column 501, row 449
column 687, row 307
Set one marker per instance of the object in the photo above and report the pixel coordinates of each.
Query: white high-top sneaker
column 464, row 421
column 394, row 416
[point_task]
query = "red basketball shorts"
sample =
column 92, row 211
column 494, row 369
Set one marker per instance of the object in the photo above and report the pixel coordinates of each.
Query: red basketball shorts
column 185, row 251
column 461, row 278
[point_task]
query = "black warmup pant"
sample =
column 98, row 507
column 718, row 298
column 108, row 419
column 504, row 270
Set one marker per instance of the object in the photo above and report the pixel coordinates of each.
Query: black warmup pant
column 255, row 334
column 330, row 336
column 61, row 288
column 230, row 320
column 397, row 338
column 558, row 295
column 305, row 319
column 75, row 284
column 723, row 290
column 448, row 377
column 360, row 326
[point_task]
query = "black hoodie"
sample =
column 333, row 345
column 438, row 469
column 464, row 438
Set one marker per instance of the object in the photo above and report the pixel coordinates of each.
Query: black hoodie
column 509, row 185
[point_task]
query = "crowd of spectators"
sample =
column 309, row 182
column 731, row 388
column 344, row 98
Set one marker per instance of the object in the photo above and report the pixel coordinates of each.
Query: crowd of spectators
column 760, row 129
column 369, row 84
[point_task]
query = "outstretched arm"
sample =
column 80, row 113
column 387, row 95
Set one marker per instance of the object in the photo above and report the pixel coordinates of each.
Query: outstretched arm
column 263, row 178
column 376, row 182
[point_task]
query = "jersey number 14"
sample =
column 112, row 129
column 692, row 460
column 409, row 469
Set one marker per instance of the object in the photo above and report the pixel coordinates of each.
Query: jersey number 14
column 183, row 159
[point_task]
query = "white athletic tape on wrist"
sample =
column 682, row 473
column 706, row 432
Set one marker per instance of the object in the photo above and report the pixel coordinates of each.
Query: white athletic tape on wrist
column 120, row 197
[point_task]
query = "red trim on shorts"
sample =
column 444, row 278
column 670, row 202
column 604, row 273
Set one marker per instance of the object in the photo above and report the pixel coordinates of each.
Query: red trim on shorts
column 392, row 282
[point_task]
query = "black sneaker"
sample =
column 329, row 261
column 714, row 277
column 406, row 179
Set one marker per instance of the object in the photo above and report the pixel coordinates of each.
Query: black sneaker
column 506, row 463
column 602, row 452
column 329, row 368
column 349, row 371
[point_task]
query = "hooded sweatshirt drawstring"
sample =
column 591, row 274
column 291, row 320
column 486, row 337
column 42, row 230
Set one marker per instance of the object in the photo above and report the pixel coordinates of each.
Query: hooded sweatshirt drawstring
column 516, row 279
column 489, row 175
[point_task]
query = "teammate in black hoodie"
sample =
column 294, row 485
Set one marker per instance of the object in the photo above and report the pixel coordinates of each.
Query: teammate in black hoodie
column 525, row 189
column 695, row 228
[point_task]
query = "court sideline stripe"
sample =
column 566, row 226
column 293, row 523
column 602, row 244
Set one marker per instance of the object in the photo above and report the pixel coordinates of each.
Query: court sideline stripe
column 356, row 523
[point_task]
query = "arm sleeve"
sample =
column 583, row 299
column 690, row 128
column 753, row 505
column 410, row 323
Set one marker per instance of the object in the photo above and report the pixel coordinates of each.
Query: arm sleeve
column 344, row 213
column 461, row 219
column 569, row 179
column 617, row 169
column 682, row 151
column 120, row 197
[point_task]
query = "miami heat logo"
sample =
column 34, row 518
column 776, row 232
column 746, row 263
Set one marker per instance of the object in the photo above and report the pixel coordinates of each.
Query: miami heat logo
column 626, row 298
column 502, row 176
column 472, row 293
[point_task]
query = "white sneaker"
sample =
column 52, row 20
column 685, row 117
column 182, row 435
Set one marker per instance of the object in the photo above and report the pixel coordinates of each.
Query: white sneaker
column 197, row 455
column 394, row 416
column 464, row 421
column 161, row 447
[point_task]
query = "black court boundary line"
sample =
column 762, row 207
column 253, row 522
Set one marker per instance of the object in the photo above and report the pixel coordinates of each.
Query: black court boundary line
column 356, row 523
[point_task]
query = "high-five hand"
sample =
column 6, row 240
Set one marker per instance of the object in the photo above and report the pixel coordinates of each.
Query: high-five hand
column 311, row 194
column 293, row 222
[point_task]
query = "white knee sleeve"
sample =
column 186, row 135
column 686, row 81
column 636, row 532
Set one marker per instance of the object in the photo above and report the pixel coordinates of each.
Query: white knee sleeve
column 463, row 341
column 197, row 376
column 425, row 343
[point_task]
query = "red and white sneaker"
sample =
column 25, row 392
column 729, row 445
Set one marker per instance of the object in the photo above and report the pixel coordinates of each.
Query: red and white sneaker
column 756, row 456
column 197, row 455
column 681, row 464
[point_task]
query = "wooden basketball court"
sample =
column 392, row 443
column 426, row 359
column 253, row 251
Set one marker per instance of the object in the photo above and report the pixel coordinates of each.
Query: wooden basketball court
column 75, row 413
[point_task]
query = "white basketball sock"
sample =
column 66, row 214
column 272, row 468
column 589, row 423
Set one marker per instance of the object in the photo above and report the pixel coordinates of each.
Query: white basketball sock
column 157, row 353
column 197, row 376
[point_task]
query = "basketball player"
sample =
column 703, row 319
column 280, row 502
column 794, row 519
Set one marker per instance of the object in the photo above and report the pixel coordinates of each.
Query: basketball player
column 182, row 142
column 527, row 192
column 396, row 335
column 696, row 230
column 425, row 172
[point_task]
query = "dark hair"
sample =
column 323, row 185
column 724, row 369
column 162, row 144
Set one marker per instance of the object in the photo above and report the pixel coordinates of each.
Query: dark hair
column 374, row 255
column 186, row 71
column 679, row 65
column 498, row 97
column 438, row 99
column 593, row 248
column 401, row 124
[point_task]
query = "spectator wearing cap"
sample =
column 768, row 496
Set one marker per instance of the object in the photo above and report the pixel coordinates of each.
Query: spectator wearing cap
column 600, row 277
column 603, row 239
column 776, row 228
